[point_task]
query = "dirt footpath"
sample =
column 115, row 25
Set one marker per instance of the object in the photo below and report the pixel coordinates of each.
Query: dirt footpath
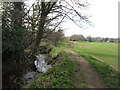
column 85, row 74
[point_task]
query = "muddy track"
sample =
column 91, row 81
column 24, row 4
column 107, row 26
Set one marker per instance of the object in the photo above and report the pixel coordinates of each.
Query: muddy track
column 85, row 74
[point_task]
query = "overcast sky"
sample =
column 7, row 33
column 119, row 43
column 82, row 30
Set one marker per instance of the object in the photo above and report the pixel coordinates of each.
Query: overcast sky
column 104, row 17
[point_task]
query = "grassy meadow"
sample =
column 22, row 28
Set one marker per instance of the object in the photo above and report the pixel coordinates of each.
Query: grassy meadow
column 107, row 52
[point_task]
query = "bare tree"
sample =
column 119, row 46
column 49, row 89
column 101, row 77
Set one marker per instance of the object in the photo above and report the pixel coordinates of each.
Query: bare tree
column 55, row 37
column 51, row 14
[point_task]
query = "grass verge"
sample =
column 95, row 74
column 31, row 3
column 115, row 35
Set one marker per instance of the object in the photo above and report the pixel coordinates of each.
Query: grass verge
column 57, row 77
column 110, row 76
column 55, row 51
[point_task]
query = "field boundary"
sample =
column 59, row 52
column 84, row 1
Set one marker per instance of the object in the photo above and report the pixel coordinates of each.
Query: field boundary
column 105, row 62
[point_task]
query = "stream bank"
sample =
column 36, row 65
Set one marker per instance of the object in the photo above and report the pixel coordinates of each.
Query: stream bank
column 21, row 74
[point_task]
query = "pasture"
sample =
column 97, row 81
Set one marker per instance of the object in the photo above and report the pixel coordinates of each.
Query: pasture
column 107, row 52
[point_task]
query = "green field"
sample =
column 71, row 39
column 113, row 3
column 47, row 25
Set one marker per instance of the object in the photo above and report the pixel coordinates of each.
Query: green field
column 107, row 52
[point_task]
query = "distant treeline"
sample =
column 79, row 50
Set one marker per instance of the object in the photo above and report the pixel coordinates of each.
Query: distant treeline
column 76, row 37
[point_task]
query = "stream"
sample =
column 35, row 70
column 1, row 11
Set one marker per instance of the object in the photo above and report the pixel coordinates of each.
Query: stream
column 41, row 67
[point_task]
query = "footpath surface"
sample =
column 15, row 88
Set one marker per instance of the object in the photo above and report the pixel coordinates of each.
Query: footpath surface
column 85, row 75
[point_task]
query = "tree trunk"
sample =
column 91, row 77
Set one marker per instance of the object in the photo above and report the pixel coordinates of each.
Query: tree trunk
column 40, row 30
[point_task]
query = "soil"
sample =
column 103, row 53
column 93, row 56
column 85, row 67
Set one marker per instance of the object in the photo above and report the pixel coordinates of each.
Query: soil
column 85, row 74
